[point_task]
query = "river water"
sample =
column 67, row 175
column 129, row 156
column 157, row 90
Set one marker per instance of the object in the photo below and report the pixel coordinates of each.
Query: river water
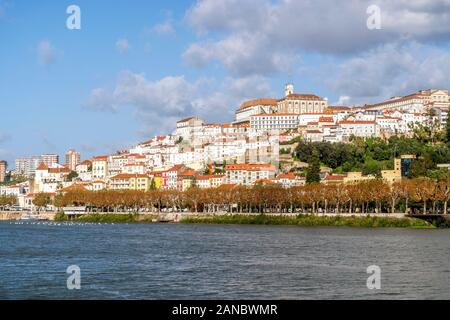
column 138, row 261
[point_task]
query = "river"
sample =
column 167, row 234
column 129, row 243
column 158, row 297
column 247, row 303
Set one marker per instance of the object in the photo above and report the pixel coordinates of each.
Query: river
column 176, row 261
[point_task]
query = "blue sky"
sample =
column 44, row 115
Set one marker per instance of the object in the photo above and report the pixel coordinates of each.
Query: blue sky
column 137, row 66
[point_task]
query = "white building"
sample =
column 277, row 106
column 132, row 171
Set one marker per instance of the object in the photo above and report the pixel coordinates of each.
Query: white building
column 248, row 174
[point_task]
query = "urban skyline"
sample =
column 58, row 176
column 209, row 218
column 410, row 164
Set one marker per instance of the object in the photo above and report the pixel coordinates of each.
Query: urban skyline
column 171, row 60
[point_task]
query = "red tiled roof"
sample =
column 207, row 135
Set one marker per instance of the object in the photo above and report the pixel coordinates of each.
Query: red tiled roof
column 326, row 119
column 100, row 158
column 250, row 167
column 296, row 96
column 313, row 131
column 59, row 170
column 42, row 166
column 289, row 175
column 356, row 122
column 258, row 102
column 128, row 176
column 188, row 173
column 74, row 187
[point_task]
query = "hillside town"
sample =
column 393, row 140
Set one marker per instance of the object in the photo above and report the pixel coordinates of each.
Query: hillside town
column 256, row 148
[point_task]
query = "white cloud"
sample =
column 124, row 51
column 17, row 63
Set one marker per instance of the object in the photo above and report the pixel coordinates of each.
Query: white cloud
column 123, row 46
column 100, row 99
column 47, row 54
column 242, row 54
column 158, row 104
column 343, row 100
column 164, row 28
column 256, row 36
column 391, row 70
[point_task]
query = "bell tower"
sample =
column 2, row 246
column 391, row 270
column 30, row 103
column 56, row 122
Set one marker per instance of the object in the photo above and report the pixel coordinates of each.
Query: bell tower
column 288, row 89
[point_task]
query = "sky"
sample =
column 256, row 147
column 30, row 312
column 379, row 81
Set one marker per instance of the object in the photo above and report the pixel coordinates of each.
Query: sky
column 136, row 67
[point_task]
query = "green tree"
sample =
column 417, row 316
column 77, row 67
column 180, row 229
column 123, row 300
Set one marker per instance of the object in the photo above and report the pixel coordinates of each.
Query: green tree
column 153, row 185
column 421, row 167
column 447, row 128
column 72, row 175
column 313, row 171
column 42, row 200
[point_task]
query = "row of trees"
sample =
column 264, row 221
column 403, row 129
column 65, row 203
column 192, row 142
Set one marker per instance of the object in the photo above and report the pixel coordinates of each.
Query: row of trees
column 6, row 201
column 418, row 195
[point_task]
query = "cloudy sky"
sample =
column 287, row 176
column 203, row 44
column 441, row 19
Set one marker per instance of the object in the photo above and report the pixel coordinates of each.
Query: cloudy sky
column 135, row 67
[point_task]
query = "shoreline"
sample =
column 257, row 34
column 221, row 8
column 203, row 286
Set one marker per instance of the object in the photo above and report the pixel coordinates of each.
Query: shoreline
column 301, row 220
column 260, row 219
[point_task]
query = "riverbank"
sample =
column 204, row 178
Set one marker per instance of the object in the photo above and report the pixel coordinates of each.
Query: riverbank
column 300, row 220
column 110, row 218
column 14, row 216
column 311, row 221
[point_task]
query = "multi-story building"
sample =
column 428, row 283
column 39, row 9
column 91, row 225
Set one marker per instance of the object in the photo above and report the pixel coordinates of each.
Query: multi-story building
column 48, row 179
column 72, row 159
column 254, row 107
column 84, row 170
column 3, row 166
column 358, row 128
column 170, row 177
column 210, row 181
column 301, row 103
column 416, row 102
column 188, row 127
column 26, row 166
column 275, row 121
column 50, row 160
column 100, row 167
column 288, row 180
column 125, row 181
column 248, row 174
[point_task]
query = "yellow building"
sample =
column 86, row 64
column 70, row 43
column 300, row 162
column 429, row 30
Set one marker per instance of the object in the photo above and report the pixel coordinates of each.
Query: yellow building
column 140, row 182
column 355, row 177
column 125, row 181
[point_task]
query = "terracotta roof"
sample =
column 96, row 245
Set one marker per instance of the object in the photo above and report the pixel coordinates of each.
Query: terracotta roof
column 250, row 167
column 100, row 158
column 176, row 167
column 339, row 108
column 42, row 166
column 128, row 176
column 188, row 173
column 356, row 122
column 289, row 175
column 74, row 187
column 326, row 119
column 59, row 170
column 313, row 131
column 296, row 96
column 397, row 99
column 258, row 102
